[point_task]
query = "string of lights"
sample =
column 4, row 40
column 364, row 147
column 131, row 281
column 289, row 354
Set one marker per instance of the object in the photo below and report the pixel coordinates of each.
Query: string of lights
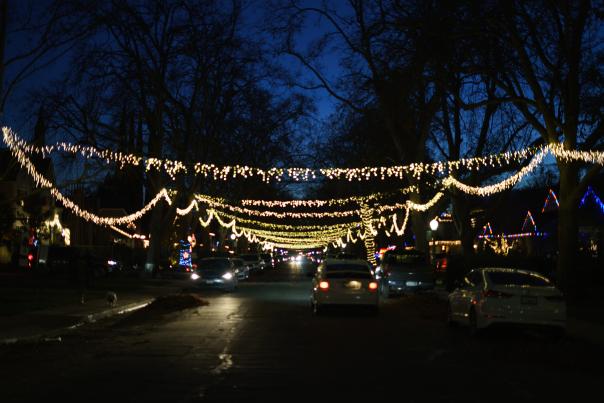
column 497, row 187
column 174, row 167
column 400, row 231
column 284, row 227
column 289, row 234
column 241, row 210
column 368, row 238
column 322, row 203
column 590, row 193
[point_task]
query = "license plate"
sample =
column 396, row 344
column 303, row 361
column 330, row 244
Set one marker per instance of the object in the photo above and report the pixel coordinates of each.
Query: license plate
column 411, row 283
column 353, row 285
column 211, row 281
column 524, row 300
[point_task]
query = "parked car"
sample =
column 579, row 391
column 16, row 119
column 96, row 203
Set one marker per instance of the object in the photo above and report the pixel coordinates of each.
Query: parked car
column 242, row 269
column 267, row 260
column 344, row 282
column 216, row 272
column 509, row 296
column 404, row 271
column 253, row 260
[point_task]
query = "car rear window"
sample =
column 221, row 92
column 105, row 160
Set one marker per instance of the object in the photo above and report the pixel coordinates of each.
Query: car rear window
column 349, row 274
column 517, row 278
column 405, row 259
column 348, row 271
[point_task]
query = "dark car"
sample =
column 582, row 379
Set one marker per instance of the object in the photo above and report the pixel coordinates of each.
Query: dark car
column 219, row 272
column 253, row 261
column 241, row 268
column 268, row 260
column 403, row 271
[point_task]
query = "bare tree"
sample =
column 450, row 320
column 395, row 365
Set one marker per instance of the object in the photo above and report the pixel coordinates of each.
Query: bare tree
column 180, row 80
column 391, row 54
column 547, row 59
column 32, row 38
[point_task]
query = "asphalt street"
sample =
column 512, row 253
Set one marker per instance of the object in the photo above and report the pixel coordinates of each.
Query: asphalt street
column 262, row 343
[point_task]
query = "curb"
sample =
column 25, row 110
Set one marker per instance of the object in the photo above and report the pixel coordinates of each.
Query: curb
column 54, row 335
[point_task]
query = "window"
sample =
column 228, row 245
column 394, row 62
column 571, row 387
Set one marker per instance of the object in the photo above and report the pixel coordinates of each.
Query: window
column 517, row 278
column 473, row 279
column 213, row 264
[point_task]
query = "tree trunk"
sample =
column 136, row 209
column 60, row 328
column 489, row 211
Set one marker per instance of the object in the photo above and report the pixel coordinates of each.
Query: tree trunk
column 461, row 217
column 154, row 251
column 419, row 225
column 568, row 228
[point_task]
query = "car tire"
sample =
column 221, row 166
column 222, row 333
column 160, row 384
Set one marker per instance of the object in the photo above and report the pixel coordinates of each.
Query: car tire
column 385, row 291
column 317, row 309
column 558, row 334
column 450, row 321
column 473, row 319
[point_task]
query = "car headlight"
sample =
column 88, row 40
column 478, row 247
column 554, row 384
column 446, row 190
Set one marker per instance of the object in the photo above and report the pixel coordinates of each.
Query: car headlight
column 227, row 276
column 194, row 276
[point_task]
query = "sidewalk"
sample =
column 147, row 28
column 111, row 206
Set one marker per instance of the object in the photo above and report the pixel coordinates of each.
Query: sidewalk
column 32, row 310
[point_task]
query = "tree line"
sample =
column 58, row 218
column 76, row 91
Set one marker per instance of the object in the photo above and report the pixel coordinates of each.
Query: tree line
column 233, row 82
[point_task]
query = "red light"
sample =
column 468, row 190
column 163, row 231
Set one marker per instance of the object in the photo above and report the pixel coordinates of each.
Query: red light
column 324, row 285
column 373, row 286
column 30, row 257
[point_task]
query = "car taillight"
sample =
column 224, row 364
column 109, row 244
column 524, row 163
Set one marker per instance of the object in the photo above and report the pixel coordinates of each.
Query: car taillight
column 324, row 285
column 373, row 286
column 496, row 294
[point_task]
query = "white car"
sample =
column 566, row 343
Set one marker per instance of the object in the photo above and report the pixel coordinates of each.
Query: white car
column 507, row 296
column 344, row 282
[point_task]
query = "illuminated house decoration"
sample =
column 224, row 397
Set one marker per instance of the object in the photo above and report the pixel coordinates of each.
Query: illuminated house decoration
column 551, row 202
column 529, row 221
column 591, row 195
column 184, row 258
column 487, row 228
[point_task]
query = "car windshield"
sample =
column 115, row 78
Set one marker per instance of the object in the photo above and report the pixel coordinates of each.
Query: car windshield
column 517, row 278
column 406, row 262
column 213, row 264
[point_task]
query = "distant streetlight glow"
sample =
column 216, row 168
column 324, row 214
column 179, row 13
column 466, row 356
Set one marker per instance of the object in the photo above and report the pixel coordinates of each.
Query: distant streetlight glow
column 434, row 224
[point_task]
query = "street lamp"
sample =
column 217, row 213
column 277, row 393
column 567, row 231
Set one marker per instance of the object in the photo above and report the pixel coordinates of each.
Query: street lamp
column 431, row 246
column 234, row 239
column 212, row 240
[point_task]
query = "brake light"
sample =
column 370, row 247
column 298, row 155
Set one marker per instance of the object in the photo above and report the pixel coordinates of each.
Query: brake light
column 30, row 257
column 495, row 294
column 373, row 286
column 324, row 285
